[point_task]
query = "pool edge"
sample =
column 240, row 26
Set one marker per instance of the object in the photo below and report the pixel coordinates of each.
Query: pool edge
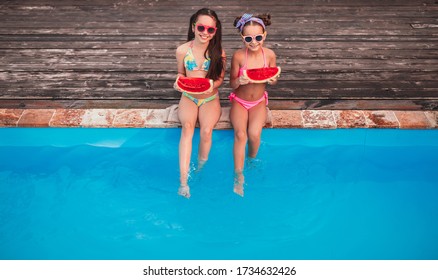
column 168, row 118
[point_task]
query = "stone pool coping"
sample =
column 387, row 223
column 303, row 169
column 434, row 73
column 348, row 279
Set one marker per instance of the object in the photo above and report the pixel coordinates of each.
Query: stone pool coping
column 167, row 118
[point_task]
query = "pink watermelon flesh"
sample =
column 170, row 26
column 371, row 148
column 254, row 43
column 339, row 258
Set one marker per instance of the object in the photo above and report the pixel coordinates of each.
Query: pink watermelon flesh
column 261, row 75
column 194, row 85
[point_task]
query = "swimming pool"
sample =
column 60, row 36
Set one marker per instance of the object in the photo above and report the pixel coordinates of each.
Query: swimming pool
column 313, row 194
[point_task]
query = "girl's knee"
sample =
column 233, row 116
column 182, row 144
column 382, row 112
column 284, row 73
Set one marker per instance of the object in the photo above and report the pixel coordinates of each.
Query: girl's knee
column 254, row 135
column 188, row 126
column 187, row 129
column 206, row 132
column 240, row 135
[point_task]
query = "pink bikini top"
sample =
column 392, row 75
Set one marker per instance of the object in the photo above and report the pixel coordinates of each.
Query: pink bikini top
column 246, row 61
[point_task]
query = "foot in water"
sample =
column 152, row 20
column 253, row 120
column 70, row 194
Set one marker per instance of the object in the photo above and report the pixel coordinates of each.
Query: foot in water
column 253, row 163
column 184, row 190
column 201, row 163
column 239, row 180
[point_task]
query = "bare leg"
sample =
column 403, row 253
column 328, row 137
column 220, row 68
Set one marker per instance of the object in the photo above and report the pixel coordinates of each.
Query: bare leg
column 187, row 113
column 256, row 122
column 209, row 115
column 239, row 120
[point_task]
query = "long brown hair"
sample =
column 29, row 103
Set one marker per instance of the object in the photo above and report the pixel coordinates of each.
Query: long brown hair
column 214, row 49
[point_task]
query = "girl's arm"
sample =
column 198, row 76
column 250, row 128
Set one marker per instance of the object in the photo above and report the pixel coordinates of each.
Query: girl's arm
column 179, row 64
column 272, row 59
column 180, row 53
column 235, row 80
column 272, row 63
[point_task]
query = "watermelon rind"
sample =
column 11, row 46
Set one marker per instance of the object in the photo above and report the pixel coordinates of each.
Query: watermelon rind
column 185, row 88
column 260, row 81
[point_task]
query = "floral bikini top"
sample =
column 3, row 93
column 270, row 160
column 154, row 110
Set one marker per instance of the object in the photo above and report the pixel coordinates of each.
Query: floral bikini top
column 190, row 61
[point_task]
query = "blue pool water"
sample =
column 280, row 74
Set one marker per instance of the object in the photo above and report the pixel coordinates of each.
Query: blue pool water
column 312, row 194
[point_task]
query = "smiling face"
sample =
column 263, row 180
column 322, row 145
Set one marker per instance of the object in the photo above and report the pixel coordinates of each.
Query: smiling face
column 253, row 31
column 203, row 28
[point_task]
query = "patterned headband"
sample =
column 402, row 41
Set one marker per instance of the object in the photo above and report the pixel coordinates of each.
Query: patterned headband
column 247, row 18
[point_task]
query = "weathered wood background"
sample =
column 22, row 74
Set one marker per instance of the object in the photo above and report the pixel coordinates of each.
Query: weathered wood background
column 335, row 54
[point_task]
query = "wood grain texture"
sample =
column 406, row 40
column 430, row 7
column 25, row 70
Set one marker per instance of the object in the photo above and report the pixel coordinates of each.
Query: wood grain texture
column 337, row 54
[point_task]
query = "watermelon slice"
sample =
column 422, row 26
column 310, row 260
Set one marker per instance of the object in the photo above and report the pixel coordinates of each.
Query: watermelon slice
column 262, row 75
column 194, row 85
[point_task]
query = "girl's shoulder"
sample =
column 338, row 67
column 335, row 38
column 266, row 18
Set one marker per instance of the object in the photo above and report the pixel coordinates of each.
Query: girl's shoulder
column 269, row 52
column 182, row 49
column 239, row 51
column 239, row 54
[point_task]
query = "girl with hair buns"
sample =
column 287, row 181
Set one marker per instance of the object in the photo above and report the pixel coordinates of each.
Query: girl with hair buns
column 201, row 56
column 249, row 100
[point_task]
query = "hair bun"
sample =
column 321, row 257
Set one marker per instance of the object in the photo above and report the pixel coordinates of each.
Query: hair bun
column 266, row 17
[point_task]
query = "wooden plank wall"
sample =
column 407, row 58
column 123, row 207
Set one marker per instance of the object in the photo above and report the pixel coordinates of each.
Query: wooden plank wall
column 335, row 54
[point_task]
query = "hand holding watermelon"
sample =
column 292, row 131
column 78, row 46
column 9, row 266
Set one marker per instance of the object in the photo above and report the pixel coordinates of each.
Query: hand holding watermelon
column 243, row 80
column 272, row 81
